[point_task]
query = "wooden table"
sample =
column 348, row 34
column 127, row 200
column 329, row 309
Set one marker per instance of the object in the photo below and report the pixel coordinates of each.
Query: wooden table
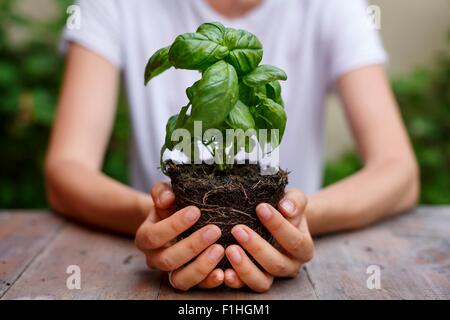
column 412, row 252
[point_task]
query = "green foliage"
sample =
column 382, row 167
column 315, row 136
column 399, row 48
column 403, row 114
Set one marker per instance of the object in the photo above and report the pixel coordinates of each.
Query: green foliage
column 240, row 117
column 213, row 96
column 245, row 50
column 194, row 51
column 158, row 63
column 262, row 75
column 424, row 99
column 30, row 77
column 228, row 59
column 269, row 115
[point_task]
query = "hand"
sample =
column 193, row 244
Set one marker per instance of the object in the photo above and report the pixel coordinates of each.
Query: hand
column 289, row 227
column 156, row 239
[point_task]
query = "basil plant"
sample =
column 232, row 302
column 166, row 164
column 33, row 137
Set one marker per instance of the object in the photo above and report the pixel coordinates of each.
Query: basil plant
column 234, row 92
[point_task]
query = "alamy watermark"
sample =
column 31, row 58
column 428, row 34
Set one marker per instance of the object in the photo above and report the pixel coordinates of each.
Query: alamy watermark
column 374, row 17
column 373, row 282
column 229, row 146
column 373, row 13
column 74, row 19
column 73, row 281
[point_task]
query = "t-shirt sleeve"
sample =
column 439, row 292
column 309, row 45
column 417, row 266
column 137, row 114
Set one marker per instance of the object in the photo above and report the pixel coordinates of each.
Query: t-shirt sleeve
column 98, row 29
column 349, row 38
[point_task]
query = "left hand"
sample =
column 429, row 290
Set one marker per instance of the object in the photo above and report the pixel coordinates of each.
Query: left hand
column 164, row 200
column 289, row 228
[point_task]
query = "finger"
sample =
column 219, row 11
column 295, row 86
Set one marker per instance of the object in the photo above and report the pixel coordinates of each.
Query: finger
column 175, row 256
column 272, row 260
column 292, row 205
column 213, row 280
column 152, row 236
column 162, row 194
column 232, row 280
column 250, row 274
column 191, row 275
column 294, row 240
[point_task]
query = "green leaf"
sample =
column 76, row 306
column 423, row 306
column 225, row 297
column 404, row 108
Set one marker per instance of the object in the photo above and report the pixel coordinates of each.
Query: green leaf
column 214, row 31
column 245, row 94
column 240, row 117
column 157, row 64
column 195, row 51
column 245, row 50
column 181, row 120
column 263, row 74
column 215, row 95
column 170, row 128
column 270, row 115
column 273, row 91
column 191, row 91
column 249, row 95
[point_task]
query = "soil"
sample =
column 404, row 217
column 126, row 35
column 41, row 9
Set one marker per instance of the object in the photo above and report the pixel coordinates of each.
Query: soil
column 226, row 198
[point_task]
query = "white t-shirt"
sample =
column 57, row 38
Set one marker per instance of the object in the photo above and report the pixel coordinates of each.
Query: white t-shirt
column 314, row 41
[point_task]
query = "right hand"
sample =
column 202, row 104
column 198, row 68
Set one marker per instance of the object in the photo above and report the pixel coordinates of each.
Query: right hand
column 156, row 238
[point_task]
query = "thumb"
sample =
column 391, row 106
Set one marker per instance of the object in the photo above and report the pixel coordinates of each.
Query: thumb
column 292, row 206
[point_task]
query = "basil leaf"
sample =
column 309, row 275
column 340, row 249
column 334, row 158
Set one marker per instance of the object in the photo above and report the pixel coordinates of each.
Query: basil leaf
column 191, row 91
column 195, row 51
column 182, row 116
column 170, row 128
column 263, row 74
column 245, row 94
column 245, row 50
column 214, row 31
column 158, row 63
column 240, row 117
column 273, row 91
column 215, row 95
column 270, row 115
column 249, row 95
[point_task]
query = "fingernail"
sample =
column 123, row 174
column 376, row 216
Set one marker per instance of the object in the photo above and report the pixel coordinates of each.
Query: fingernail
column 211, row 234
column 240, row 234
column 215, row 253
column 164, row 196
column 288, row 206
column 264, row 212
column 191, row 214
column 234, row 255
column 216, row 277
column 230, row 277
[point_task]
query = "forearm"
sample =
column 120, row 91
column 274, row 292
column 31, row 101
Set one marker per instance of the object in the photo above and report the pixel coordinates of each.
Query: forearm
column 87, row 195
column 380, row 189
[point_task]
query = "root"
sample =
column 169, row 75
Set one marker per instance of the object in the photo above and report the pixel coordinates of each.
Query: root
column 226, row 198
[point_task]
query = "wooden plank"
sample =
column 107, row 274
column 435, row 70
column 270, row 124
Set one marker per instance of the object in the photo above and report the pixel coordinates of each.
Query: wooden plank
column 22, row 237
column 283, row 289
column 412, row 251
column 110, row 267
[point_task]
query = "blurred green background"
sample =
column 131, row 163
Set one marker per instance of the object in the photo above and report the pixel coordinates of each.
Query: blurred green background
column 30, row 76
